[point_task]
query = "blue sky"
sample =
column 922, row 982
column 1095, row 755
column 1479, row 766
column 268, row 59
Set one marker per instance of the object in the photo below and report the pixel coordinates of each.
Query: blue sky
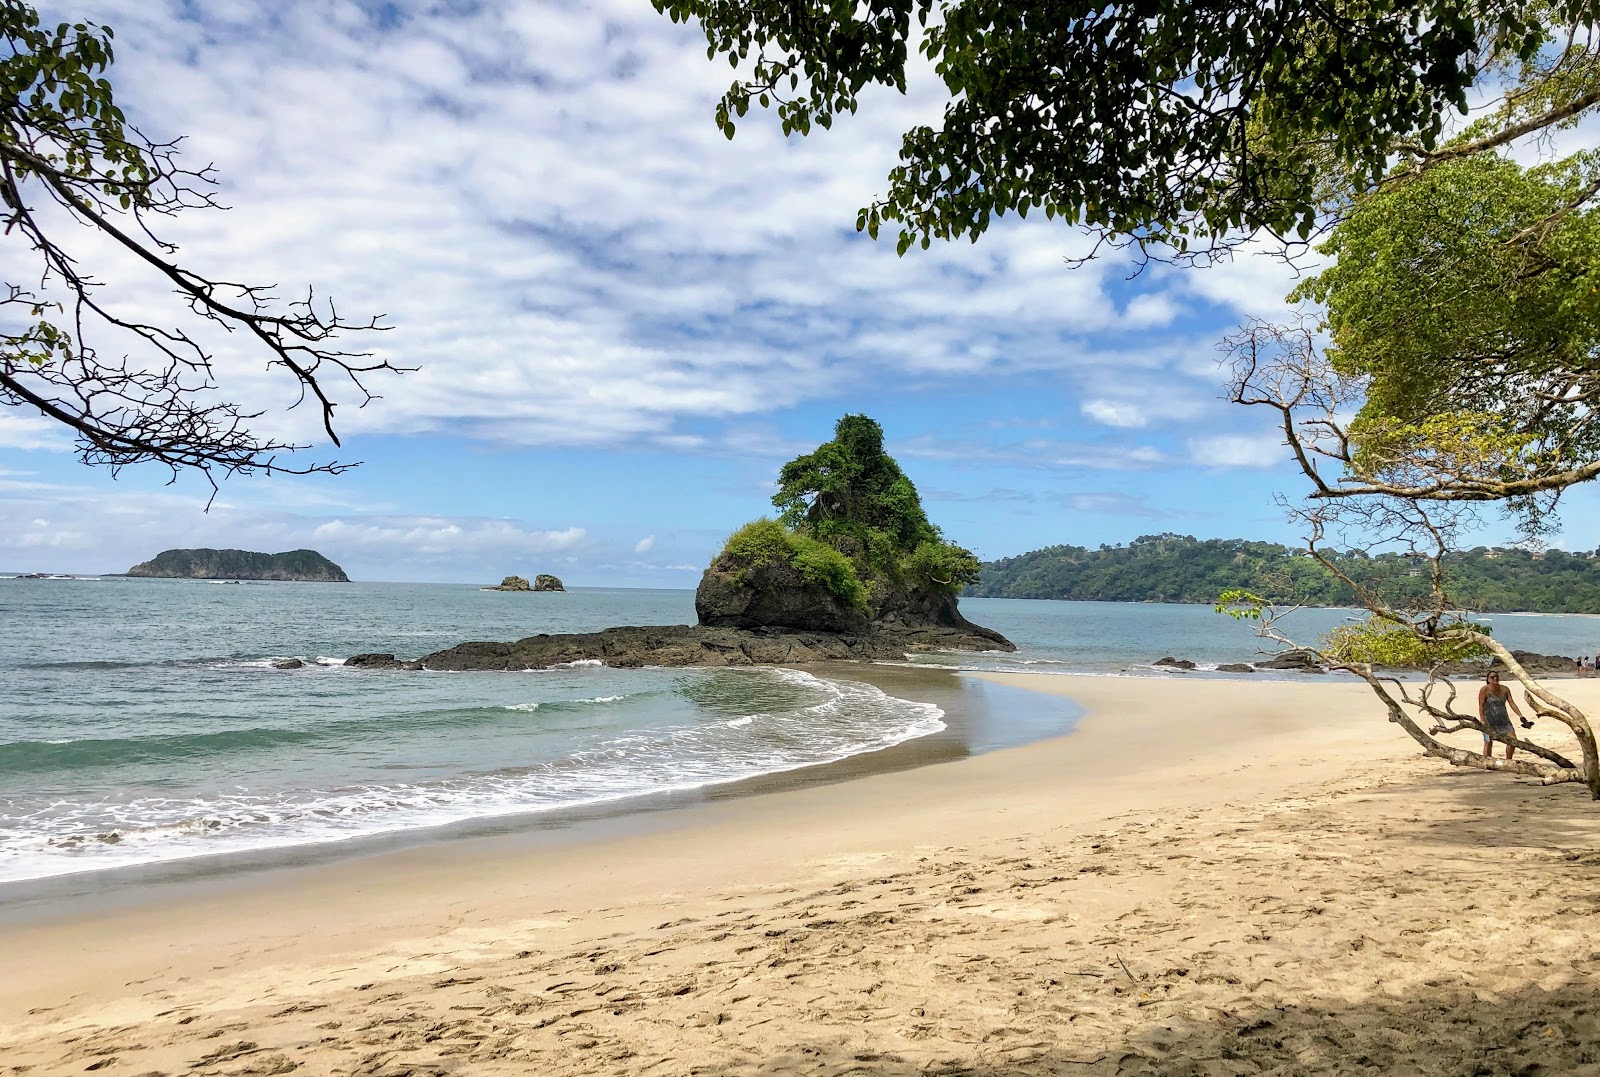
column 623, row 323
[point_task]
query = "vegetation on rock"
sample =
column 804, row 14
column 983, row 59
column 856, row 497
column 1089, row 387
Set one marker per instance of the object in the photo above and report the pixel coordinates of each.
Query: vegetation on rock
column 850, row 494
column 851, row 523
column 766, row 540
column 307, row 565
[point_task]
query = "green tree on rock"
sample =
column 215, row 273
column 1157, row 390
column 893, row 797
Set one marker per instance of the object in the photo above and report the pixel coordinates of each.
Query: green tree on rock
column 851, row 551
column 850, row 494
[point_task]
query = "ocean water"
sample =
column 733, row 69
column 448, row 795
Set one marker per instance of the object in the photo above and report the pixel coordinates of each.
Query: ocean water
column 1125, row 637
column 142, row 721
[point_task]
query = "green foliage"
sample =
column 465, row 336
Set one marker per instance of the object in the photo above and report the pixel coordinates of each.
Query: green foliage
column 851, row 495
column 765, row 541
column 1384, row 643
column 1469, row 299
column 1242, row 605
column 51, row 85
column 1178, row 568
column 829, row 569
column 61, row 120
column 758, row 542
column 941, row 565
column 1154, row 122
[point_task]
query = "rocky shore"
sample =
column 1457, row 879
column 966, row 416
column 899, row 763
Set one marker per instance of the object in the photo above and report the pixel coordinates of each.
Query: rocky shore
column 692, row 645
column 1300, row 660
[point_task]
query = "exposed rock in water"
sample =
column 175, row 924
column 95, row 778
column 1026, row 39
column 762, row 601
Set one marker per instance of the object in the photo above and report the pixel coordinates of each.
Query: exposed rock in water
column 300, row 565
column 1533, row 662
column 860, row 574
column 1173, row 663
column 375, row 661
column 681, row 645
column 1541, row 663
column 684, row 645
column 772, row 594
column 1294, row 661
column 540, row 582
column 288, row 663
column 1236, row 667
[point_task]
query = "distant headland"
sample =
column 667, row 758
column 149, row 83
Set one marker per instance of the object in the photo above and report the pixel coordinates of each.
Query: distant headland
column 1182, row 568
column 304, row 565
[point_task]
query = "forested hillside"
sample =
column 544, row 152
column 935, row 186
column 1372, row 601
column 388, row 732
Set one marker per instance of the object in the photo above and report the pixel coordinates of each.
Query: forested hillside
column 1180, row 568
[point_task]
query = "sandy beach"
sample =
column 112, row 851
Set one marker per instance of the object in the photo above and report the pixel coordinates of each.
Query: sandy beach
column 1206, row 877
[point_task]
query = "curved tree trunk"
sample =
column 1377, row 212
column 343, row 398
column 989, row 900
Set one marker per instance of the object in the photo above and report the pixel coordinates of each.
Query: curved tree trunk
column 1550, row 705
column 1461, row 757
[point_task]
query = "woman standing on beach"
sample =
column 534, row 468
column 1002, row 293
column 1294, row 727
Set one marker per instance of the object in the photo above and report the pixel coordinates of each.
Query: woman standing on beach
column 1492, row 700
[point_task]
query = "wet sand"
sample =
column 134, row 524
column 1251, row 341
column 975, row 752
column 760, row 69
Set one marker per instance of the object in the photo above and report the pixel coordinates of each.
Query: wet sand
column 1206, row 877
column 980, row 716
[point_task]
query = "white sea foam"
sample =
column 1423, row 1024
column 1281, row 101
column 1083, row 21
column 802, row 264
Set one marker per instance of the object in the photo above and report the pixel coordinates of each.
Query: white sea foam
column 833, row 720
column 582, row 663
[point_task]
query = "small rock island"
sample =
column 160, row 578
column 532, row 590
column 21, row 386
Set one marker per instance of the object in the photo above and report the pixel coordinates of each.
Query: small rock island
column 851, row 568
column 299, row 565
column 541, row 582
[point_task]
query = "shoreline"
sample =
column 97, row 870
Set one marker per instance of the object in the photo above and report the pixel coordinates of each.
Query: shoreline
column 1194, row 854
column 978, row 717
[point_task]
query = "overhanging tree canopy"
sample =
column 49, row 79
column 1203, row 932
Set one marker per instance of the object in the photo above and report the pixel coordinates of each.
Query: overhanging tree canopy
column 131, row 390
column 1159, row 123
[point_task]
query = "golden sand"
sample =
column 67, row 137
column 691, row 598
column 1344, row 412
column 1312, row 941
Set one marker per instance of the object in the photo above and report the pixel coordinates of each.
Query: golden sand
column 1206, row 878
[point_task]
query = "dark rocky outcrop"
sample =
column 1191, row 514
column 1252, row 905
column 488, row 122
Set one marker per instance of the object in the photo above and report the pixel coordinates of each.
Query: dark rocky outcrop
column 1236, row 667
column 1293, row 661
column 681, row 645
column 540, row 582
column 1173, row 663
column 288, row 663
column 375, row 661
column 1538, row 664
column 300, row 565
column 772, row 594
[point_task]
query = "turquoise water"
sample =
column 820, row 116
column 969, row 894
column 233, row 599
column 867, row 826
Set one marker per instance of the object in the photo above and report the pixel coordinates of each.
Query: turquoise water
column 1124, row 637
column 142, row 721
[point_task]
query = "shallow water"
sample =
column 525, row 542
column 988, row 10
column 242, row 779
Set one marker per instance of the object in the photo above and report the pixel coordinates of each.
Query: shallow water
column 142, row 721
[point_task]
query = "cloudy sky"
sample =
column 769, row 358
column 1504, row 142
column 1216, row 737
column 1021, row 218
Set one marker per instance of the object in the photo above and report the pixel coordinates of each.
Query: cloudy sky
column 622, row 323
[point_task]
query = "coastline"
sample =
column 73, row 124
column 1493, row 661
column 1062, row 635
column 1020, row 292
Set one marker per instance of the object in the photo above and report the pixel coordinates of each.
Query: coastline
column 1316, row 826
column 978, row 716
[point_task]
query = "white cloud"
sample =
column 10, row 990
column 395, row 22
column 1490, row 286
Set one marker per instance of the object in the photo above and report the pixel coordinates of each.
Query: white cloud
column 1121, row 413
column 97, row 529
column 1115, row 503
column 644, row 545
column 567, row 248
column 437, row 535
column 1047, row 453
column 1238, row 450
column 1254, row 282
column 19, row 431
column 1151, row 310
